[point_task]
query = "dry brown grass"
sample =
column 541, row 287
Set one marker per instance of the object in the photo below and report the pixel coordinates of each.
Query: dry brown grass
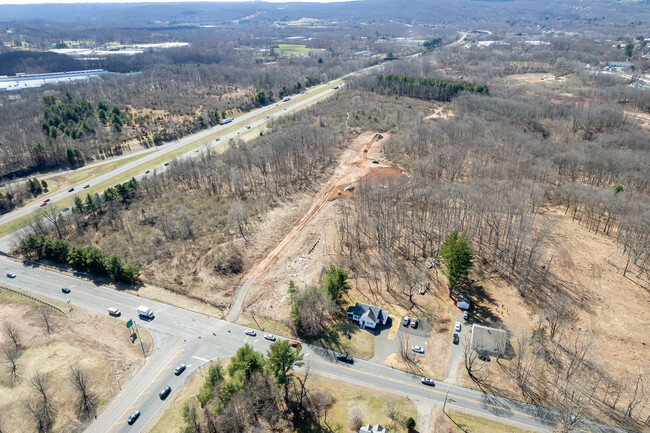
column 72, row 341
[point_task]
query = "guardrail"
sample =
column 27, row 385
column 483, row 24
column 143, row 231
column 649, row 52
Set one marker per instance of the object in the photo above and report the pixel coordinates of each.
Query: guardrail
column 45, row 265
column 35, row 299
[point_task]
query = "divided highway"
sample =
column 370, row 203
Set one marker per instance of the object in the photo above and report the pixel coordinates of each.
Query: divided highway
column 182, row 336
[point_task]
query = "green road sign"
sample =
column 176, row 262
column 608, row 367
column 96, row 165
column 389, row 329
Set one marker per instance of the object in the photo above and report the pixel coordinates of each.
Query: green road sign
column 129, row 323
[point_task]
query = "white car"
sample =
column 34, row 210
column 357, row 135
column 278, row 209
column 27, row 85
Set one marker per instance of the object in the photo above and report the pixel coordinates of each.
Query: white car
column 250, row 332
column 248, row 127
column 11, row 275
column 417, row 349
column 269, row 337
column 427, row 381
column 87, row 185
column 457, row 327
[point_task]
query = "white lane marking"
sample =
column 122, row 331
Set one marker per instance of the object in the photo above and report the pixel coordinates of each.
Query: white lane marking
column 201, row 359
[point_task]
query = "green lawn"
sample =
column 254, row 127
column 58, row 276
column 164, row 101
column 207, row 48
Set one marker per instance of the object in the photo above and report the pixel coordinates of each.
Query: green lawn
column 464, row 422
column 286, row 49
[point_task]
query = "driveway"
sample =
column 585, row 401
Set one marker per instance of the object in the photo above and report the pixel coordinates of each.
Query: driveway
column 456, row 355
column 385, row 347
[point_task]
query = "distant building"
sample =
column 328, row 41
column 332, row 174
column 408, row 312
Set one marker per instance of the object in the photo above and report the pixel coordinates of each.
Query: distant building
column 373, row 429
column 620, row 65
column 368, row 316
column 463, row 302
column 489, row 340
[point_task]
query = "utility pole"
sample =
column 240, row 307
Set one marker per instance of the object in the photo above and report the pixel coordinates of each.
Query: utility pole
column 445, row 403
column 144, row 354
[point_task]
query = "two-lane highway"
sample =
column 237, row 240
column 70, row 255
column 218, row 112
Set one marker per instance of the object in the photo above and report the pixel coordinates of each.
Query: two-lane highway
column 182, row 336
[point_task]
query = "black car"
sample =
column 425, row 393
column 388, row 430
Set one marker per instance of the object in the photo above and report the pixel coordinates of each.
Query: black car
column 178, row 370
column 344, row 357
column 455, row 338
column 134, row 416
column 65, row 290
column 165, row 392
column 71, row 189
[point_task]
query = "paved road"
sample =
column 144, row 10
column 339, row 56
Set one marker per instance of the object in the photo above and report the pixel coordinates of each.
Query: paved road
column 231, row 130
column 192, row 338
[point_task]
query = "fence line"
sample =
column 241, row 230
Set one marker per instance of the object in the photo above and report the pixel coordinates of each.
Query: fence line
column 35, row 299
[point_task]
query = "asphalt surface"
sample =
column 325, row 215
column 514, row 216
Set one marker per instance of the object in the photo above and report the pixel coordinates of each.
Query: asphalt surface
column 182, row 336
column 297, row 102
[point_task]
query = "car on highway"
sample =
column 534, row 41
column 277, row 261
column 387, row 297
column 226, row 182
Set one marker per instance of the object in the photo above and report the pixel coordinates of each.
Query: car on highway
column 427, row 381
column 414, row 323
column 65, row 289
column 217, row 139
column 46, row 200
column 417, row 349
column 11, row 275
column 250, row 332
column 374, row 161
column 147, row 172
column 248, row 127
column 268, row 116
column 344, row 357
column 269, row 337
column 112, row 311
column 165, row 392
column 133, row 417
column 71, row 189
column 466, row 315
column 455, row 339
column 406, row 320
column 457, row 327
column 43, row 204
column 166, row 164
column 181, row 368
column 295, row 344
column 196, row 151
column 335, row 88
column 87, row 186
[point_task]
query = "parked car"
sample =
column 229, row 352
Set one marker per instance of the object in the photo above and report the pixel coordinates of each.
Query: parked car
column 134, row 416
column 269, row 337
column 417, row 349
column 165, row 392
column 11, row 275
column 344, row 357
column 250, row 332
column 427, row 381
column 88, row 186
column 414, row 323
column 457, row 327
column 65, row 289
column 71, row 189
column 295, row 344
column 181, row 368
column 406, row 320
column 466, row 315
column 455, row 339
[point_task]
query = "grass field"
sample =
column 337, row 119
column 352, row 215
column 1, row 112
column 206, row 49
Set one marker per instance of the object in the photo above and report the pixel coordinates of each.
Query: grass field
column 289, row 49
column 16, row 224
column 464, row 423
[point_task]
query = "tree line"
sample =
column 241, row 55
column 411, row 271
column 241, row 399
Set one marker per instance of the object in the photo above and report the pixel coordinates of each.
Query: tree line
column 437, row 89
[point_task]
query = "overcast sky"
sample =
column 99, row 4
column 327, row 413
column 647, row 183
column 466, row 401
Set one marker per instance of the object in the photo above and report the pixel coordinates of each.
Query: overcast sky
column 24, row 2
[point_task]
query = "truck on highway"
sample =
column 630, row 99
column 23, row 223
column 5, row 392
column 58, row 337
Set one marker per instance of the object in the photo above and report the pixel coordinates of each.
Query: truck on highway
column 227, row 120
column 145, row 312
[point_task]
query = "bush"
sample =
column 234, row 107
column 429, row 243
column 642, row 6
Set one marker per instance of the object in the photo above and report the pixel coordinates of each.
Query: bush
column 409, row 423
column 355, row 418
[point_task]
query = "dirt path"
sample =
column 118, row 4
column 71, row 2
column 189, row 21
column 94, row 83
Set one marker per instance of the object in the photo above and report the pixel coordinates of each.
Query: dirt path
column 354, row 170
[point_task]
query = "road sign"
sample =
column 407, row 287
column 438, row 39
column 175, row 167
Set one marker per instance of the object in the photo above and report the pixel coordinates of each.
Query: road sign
column 129, row 323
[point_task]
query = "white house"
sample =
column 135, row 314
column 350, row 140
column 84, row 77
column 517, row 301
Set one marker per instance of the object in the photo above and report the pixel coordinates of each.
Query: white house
column 368, row 316
column 373, row 429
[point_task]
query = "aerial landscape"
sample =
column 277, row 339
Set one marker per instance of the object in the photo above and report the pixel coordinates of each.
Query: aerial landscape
column 364, row 216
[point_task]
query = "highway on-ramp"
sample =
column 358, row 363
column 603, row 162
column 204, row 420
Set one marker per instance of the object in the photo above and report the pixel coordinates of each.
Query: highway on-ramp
column 182, row 336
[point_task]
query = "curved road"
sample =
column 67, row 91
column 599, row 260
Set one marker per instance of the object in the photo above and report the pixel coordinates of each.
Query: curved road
column 182, row 336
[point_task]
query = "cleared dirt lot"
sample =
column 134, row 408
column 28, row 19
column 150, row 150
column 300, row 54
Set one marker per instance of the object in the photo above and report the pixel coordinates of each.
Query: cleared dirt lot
column 110, row 360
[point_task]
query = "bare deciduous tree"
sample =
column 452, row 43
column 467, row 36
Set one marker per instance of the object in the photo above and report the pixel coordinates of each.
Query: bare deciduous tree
column 13, row 333
column 11, row 358
column 355, row 418
column 86, row 402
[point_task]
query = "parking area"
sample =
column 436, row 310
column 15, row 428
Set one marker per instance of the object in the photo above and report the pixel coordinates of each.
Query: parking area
column 405, row 335
column 456, row 352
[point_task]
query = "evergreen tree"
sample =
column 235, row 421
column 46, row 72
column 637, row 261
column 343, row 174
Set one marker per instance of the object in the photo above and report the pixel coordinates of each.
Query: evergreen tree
column 456, row 256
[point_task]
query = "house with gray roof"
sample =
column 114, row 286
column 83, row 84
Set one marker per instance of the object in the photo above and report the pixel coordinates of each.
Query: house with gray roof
column 373, row 429
column 489, row 340
column 367, row 316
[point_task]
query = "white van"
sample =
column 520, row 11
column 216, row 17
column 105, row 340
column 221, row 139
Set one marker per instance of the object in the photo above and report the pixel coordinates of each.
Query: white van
column 114, row 312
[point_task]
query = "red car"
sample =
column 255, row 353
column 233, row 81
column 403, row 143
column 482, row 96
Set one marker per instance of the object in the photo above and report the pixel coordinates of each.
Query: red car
column 43, row 204
column 295, row 344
